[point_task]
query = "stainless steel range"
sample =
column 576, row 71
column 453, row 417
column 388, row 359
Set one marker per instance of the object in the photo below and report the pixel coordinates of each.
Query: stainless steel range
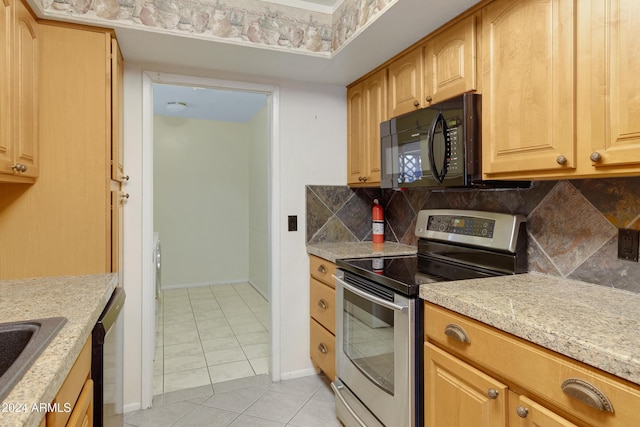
column 379, row 321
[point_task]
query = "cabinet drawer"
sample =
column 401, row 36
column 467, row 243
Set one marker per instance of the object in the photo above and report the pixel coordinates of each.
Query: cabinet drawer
column 82, row 415
column 323, row 305
column 533, row 368
column 323, row 349
column 72, row 387
column 322, row 270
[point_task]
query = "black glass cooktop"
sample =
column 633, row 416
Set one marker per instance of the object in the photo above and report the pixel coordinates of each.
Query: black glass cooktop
column 405, row 274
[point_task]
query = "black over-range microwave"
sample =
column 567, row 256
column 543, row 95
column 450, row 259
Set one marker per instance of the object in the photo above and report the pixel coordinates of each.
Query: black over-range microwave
column 438, row 146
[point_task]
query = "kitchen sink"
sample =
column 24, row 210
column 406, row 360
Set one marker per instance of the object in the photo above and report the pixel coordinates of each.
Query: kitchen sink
column 20, row 345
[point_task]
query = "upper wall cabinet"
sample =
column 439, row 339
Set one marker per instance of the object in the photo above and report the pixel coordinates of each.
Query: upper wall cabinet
column 405, row 83
column 609, row 66
column 366, row 108
column 528, row 99
column 560, row 89
column 450, row 62
column 117, row 111
column 18, row 94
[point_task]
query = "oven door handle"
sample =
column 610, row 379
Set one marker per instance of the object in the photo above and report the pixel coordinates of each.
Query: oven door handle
column 372, row 298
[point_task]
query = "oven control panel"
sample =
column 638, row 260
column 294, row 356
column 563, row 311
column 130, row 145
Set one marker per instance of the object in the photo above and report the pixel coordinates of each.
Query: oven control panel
column 490, row 230
column 463, row 225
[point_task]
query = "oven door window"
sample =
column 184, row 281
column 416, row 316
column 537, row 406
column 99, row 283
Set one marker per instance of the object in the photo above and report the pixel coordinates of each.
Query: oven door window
column 369, row 339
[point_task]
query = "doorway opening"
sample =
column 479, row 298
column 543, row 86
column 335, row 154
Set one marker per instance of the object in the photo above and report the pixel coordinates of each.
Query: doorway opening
column 211, row 184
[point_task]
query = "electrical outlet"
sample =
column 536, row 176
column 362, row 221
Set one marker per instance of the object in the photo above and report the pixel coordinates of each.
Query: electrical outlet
column 293, row 222
column 628, row 244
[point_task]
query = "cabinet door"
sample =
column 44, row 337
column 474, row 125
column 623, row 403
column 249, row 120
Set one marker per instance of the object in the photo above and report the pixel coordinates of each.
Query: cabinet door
column 528, row 100
column 614, row 85
column 355, row 134
column 524, row 412
column 26, row 53
column 366, row 108
column 6, row 137
column 406, row 83
column 457, row 394
column 450, row 62
column 376, row 112
column 117, row 108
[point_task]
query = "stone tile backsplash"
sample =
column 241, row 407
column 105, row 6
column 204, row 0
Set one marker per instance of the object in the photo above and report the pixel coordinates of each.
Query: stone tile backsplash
column 572, row 225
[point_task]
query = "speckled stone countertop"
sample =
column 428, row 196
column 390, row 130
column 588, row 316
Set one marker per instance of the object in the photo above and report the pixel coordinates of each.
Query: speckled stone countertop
column 333, row 251
column 80, row 299
column 590, row 323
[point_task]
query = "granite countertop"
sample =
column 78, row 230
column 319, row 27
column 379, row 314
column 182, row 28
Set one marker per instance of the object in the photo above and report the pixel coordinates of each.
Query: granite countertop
column 333, row 251
column 81, row 300
column 590, row 323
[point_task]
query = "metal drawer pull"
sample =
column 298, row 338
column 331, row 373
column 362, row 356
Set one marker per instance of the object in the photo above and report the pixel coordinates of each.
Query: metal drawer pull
column 587, row 393
column 323, row 304
column 492, row 393
column 322, row 348
column 322, row 269
column 522, row 411
column 457, row 333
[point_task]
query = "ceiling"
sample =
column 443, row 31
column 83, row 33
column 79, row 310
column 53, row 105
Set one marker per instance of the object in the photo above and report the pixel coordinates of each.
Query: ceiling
column 207, row 103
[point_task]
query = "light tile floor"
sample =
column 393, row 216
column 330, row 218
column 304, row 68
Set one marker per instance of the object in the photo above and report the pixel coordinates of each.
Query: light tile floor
column 210, row 334
column 247, row 402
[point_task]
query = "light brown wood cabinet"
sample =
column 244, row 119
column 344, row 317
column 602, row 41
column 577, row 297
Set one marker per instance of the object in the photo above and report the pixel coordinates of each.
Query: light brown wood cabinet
column 450, row 62
column 75, row 397
column 528, row 99
column 608, row 69
column 19, row 140
column 67, row 223
column 406, row 86
column 323, row 315
column 366, row 108
column 487, row 377
column 558, row 79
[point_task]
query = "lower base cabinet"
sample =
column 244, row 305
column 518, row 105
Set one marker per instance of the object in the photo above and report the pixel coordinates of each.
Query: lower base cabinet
column 476, row 376
column 75, row 397
column 322, row 327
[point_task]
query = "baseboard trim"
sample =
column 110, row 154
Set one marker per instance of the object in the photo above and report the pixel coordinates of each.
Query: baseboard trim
column 298, row 374
column 258, row 290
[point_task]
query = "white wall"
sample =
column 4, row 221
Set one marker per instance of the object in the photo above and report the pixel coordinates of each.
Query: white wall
column 200, row 185
column 258, row 201
column 312, row 150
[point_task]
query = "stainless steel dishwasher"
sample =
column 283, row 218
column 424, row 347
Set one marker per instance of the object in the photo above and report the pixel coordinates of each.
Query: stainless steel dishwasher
column 107, row 363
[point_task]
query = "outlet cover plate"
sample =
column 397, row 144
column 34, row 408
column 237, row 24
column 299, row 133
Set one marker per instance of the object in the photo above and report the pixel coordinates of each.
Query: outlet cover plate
column 628, row 244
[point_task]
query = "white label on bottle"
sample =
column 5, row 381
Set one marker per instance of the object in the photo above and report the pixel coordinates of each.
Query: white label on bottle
column 378, row 227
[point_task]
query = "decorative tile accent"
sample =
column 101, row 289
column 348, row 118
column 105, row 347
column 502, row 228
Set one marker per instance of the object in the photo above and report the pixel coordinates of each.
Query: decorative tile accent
column 568, row 228
column 617, row 199
column 572, row 225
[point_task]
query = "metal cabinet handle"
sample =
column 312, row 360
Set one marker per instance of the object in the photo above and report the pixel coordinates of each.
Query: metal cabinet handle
column 493, row 393
column 595, row 157
column 457, row 333
column 587, row 393
column 522, row 411
column 561, row 160
column 416, row 104
column 323, row 304
column 125, row 195
column 429, row 99
column 126, row 177
column 322, row 348
column 322, row 269
column 19, row 167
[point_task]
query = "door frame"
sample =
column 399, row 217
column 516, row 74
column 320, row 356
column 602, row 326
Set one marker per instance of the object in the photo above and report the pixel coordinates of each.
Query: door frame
column 148, row 272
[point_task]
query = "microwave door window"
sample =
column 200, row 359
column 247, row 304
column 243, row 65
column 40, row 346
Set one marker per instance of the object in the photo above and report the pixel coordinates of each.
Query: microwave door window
column 409, row 162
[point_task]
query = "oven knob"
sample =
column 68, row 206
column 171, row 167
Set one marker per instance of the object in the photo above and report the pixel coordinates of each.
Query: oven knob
column 442, row 227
